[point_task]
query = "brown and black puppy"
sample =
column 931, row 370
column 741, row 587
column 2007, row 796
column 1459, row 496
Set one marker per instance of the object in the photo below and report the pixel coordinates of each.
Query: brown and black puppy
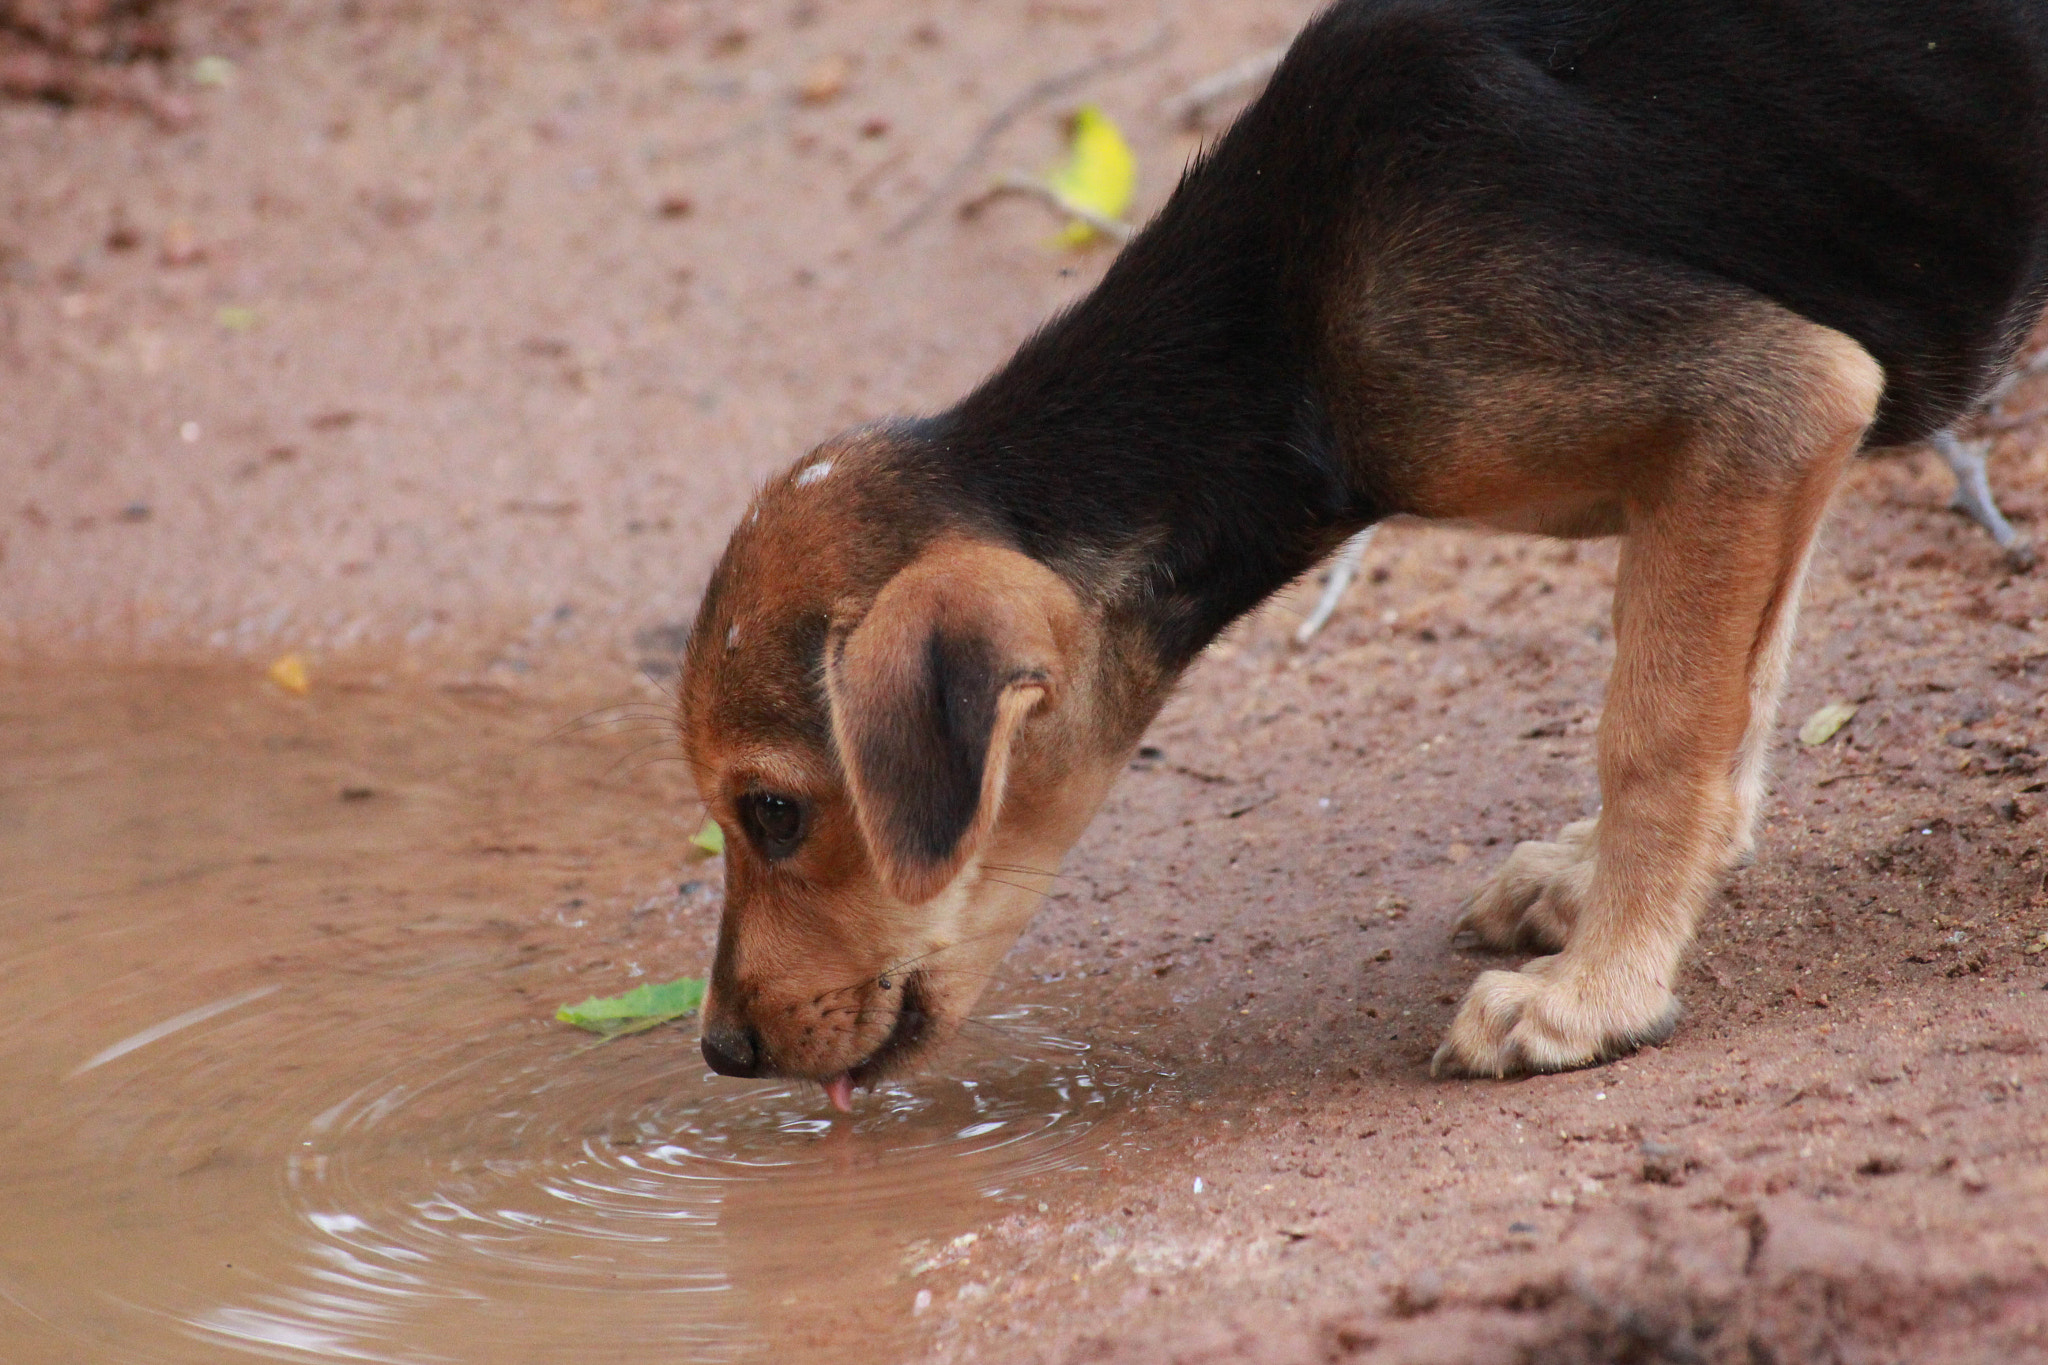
column 1638, row 269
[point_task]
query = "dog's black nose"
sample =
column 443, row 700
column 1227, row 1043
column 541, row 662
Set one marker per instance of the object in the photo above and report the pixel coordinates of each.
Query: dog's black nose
column 732, row 1051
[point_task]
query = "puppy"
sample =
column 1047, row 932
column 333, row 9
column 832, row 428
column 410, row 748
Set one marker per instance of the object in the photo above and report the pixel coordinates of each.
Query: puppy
column 1654, row 271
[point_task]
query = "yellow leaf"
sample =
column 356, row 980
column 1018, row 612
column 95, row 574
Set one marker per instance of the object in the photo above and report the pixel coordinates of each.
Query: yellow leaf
column 1100, row 175
column 289, row 672
column 1821, row 726
column 710, row 840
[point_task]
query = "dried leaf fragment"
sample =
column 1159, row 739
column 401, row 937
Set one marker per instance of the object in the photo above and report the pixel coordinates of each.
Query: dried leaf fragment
column 215, row 72
column 1822, row 725
column 289, row 672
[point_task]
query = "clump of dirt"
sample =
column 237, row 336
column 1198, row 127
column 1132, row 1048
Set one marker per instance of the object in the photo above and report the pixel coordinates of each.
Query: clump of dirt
column 106, row 52
column 1778, row 1282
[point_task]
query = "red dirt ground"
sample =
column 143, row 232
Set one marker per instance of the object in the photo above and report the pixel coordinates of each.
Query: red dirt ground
column 463, row 330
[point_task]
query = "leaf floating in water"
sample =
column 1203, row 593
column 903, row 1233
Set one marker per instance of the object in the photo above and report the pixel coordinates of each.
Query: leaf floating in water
column 289, row 672
column 710, row 840
column 643, row 1007
column 1099, row 177
column 1821, row 726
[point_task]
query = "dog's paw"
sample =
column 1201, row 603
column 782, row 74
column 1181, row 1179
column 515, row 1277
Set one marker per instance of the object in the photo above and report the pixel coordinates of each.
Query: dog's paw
column 1534, row 900
column 1552, row 1017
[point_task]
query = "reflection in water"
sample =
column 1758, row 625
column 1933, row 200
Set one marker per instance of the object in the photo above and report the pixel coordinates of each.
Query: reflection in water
column 284, row 1086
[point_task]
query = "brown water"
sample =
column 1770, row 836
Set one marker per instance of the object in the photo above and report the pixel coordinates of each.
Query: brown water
column 281, row 1081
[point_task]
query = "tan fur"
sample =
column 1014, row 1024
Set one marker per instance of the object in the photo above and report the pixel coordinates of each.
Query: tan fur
column 1533, row 901
column 1712, row 448
column 1710, row 442
column 1017, row 602
column 815, row 954
column 1710, row 569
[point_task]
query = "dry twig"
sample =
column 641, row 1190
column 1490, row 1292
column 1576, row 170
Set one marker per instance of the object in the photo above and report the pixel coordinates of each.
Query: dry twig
column 1051, row 88
column 1343, row 569
column 1190, row 108
column 1016, row 182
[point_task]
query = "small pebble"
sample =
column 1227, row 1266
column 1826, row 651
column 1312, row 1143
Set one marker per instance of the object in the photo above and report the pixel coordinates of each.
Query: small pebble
column 825, row 81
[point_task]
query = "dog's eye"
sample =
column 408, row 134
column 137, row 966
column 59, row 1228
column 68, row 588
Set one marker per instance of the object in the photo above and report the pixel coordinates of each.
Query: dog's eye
column 776, row 823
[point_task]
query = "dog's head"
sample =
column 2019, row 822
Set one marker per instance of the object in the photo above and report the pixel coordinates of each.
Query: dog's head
column 890, row 717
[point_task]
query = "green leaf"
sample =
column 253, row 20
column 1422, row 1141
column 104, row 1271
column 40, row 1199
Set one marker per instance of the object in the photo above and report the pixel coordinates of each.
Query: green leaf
column 643, row 1007
column 710, row 839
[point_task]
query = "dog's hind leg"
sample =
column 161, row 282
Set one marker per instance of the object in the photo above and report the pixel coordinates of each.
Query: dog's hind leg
column 1973, row 497
column 1719, row 526
column 1965, row 459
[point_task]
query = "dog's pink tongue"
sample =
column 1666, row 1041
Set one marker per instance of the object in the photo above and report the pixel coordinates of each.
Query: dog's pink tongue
column 839, row 1090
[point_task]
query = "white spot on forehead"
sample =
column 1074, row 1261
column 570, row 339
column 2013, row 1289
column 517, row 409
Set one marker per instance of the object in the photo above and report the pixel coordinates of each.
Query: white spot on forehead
column 820, row 470
column 732, row 637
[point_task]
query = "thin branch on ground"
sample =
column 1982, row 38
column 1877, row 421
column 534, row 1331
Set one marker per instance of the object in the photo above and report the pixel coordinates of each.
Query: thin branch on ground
column 1051, row 88
column 1016, row 182
column 1191, row 107
column 1343, row 569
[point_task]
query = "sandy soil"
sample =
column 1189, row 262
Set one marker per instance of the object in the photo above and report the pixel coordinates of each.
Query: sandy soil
column 459, row 332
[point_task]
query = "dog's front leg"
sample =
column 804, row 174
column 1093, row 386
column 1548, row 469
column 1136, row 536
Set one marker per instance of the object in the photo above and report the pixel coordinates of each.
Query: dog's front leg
column 1715, row 548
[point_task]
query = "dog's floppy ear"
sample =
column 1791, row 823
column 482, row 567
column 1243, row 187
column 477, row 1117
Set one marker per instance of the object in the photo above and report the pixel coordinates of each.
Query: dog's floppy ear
column 928, row 692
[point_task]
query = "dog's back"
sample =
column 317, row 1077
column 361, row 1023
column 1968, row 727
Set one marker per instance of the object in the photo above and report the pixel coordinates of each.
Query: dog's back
column 1878, row 166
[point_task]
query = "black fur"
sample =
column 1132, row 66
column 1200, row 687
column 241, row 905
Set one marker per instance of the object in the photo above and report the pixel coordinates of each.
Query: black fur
column 1879, row 166
column 922, row 748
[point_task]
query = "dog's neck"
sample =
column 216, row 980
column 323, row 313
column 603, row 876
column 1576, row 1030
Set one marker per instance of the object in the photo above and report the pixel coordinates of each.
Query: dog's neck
column 1163, row 444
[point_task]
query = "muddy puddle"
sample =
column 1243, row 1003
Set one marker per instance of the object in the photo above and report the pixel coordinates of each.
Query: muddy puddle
column 281, row 1081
